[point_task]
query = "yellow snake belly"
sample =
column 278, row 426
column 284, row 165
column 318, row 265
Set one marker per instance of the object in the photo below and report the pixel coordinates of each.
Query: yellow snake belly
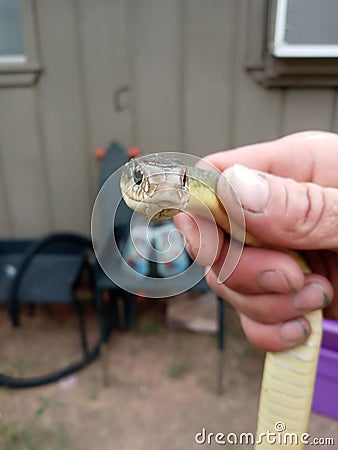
column 289, row 376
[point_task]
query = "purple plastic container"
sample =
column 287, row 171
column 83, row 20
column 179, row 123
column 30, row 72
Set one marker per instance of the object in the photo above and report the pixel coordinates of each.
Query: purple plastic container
column 325, row 398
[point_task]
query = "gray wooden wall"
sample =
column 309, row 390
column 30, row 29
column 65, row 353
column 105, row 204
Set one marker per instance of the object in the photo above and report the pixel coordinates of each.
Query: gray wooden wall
column 182, row 61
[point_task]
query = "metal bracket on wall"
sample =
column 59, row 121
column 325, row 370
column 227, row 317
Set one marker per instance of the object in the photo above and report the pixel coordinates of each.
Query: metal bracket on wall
column 121, row 99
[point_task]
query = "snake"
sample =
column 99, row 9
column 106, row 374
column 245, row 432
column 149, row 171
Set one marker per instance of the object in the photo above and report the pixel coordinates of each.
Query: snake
column 160, row 187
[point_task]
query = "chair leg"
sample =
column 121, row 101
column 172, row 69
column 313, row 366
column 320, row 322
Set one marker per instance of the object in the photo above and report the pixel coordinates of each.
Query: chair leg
column 82, row 326
column 129, row 303
column 103, row 337
column 99, row 314
column 13, row 314
column 114, row 322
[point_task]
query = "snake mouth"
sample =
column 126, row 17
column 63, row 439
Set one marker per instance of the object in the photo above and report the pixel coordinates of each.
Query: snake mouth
column 163, row 203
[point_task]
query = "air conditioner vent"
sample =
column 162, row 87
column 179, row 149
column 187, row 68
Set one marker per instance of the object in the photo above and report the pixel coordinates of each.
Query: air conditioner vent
column 304, row 28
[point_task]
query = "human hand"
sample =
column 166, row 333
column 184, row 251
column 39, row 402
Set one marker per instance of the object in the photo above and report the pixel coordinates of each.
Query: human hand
column 291, row 202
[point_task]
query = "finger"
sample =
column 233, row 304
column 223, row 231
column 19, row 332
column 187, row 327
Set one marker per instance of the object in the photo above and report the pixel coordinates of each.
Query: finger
column 203, row 239
column 305, row 156
column 326, row 264
column 265, row 270
column 276, row 337
column 274, row 308
column 261, row 270
column 281, row 211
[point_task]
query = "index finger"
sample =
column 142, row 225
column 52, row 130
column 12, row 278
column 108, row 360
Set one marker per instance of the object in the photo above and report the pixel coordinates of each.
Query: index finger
column 307, row 156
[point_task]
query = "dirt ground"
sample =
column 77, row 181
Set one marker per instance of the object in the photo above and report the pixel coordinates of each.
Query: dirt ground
column 162, row 386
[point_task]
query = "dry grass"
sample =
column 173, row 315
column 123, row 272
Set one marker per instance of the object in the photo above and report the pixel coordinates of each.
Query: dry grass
column 162, row 388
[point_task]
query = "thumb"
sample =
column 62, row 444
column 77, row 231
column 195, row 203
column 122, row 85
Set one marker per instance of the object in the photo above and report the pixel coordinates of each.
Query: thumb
column 282, row 211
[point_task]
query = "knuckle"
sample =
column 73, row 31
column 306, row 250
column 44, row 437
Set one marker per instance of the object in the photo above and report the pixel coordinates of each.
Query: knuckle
column 314, row 208
column 305, row 209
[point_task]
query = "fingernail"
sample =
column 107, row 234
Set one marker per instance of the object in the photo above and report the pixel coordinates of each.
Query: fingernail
column 190, row 249
column 186, row 229
column 274, row 281
column 293, row 331
column 187, row 244
column 251, row 189
column 311, row 296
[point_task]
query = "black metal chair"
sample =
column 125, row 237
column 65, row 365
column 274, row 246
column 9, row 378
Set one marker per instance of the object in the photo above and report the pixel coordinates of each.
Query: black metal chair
column 115, row 157
column 47, row 271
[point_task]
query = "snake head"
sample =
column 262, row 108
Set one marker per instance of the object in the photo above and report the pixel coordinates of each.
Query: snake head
column 155, row 186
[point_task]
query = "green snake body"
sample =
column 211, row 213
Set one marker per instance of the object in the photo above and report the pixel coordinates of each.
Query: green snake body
column 289, row 376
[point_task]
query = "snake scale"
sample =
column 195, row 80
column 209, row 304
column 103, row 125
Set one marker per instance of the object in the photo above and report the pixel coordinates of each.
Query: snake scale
column 158, row 187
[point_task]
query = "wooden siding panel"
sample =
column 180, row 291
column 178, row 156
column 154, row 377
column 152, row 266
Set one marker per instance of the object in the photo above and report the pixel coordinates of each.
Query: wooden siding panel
column 306, row 109
column 22, row 164
column 208, row 61
column 257, row 110
column 155, row 30
column 183, row 63
column 5, row 219
column 62, row 116
column 105, row 68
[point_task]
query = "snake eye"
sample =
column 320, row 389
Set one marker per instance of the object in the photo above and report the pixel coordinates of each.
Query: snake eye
column 137, row 175
column 184, row 179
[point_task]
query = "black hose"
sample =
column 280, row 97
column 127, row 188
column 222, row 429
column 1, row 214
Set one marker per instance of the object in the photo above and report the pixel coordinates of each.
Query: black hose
column 20, row 383
column 12, row 302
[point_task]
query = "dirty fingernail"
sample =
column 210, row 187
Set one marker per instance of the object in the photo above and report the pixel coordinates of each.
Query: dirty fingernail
column 251, row 188
column 274, row 281
column 293, row 331
column 190, row 249
column 187, row 243
column 312, row 296
column 186, row 227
